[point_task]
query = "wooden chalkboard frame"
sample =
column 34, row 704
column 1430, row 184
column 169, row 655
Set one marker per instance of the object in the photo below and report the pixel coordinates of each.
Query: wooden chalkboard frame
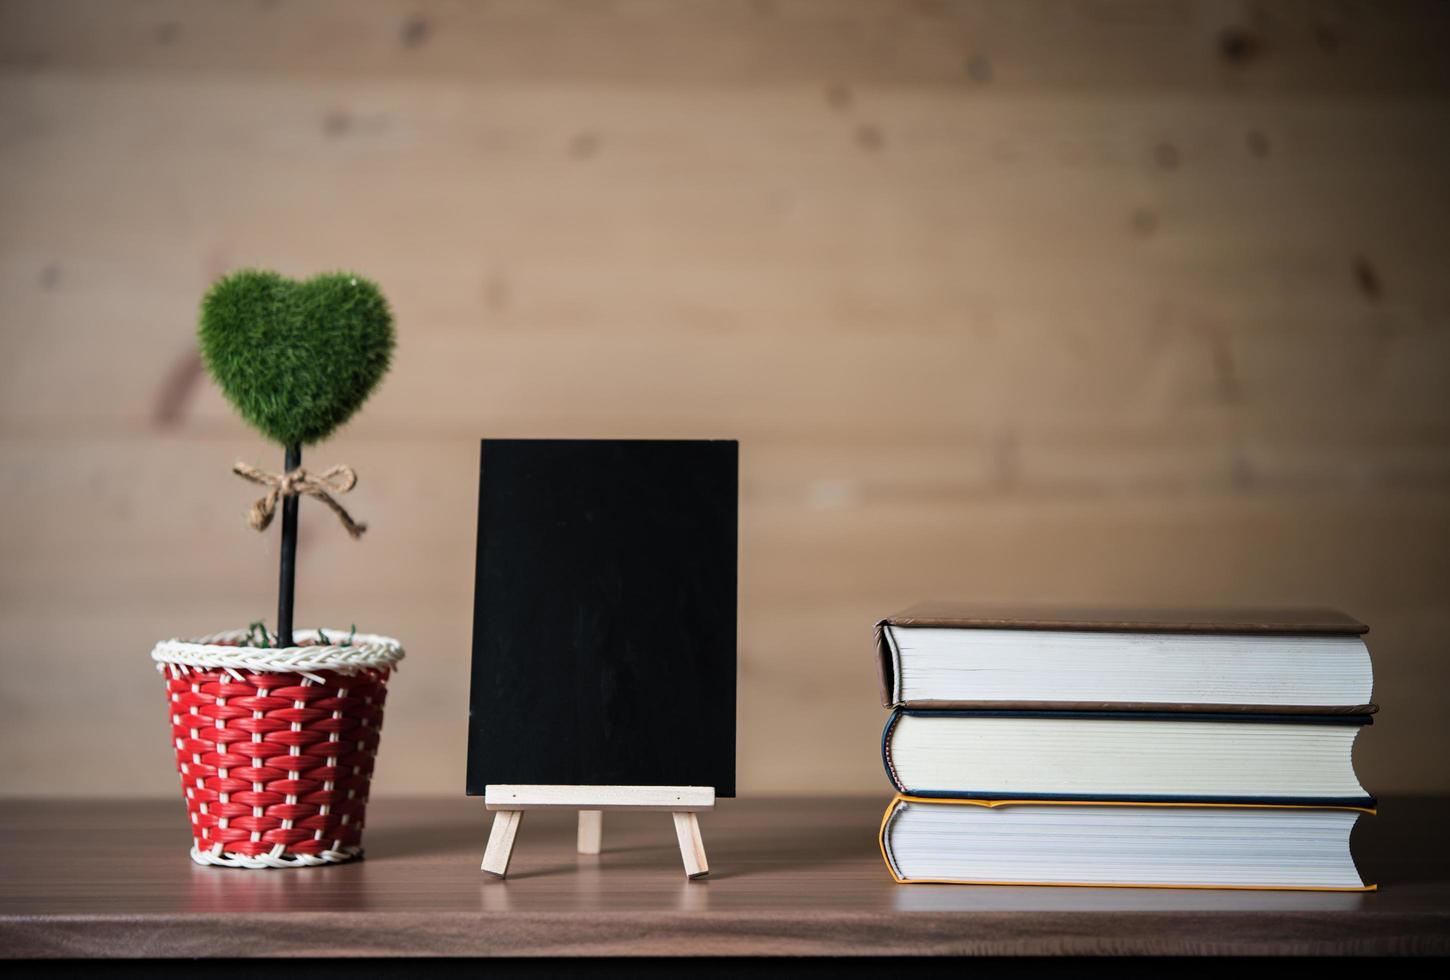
column 500, row 519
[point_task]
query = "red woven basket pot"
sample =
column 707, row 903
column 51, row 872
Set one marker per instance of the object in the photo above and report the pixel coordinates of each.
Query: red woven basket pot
column 275, row 747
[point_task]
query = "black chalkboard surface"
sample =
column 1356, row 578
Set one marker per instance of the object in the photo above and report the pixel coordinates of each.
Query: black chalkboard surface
column 604, row 614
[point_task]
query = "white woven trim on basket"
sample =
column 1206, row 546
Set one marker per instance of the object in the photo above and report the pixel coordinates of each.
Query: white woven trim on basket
column 366, row 652
column 216, row 856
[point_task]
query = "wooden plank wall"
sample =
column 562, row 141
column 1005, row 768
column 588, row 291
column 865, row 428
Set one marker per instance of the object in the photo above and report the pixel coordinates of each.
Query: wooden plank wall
column 1108, row 301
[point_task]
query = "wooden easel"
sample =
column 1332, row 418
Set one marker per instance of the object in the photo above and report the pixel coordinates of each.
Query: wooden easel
column 510, row 801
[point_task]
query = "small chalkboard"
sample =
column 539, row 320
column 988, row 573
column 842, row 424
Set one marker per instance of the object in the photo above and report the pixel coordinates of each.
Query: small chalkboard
column 604, row 615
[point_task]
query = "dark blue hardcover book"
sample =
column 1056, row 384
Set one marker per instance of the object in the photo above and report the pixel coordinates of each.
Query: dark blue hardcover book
column 1125, row 756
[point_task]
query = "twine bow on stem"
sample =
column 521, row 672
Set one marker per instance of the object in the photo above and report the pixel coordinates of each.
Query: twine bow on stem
column 338, row 479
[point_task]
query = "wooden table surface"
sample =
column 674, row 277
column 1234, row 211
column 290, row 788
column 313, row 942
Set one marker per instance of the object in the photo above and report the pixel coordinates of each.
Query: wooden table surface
column 789, row 876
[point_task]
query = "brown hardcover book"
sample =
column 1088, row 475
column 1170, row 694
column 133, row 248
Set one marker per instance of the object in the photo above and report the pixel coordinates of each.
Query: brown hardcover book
column 1276, row 661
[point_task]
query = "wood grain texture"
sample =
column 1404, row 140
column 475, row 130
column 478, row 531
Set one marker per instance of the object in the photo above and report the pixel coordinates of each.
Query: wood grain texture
column 789, row 876
column 1101, row 303
column 1197, row 45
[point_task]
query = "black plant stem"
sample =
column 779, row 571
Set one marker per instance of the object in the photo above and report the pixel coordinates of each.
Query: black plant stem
column 287, row 583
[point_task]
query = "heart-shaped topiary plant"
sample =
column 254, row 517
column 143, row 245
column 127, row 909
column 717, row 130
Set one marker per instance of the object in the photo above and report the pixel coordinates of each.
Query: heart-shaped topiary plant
column 296, row 359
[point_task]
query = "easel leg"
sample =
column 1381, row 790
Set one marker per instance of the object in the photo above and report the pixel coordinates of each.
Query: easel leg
column 591, row 831
column 501, row 841
column 692, row 847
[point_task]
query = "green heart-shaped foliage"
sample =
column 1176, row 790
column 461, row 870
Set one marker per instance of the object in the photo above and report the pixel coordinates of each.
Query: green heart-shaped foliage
column 296, row 359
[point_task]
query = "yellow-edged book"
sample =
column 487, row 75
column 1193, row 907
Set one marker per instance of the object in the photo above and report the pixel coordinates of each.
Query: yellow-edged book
column 1120, row 845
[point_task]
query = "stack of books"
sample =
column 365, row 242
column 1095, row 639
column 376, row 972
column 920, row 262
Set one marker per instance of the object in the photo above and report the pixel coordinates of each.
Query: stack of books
column 1169, row 749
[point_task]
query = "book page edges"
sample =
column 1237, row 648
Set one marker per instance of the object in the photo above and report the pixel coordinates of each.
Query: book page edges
column 900, row 798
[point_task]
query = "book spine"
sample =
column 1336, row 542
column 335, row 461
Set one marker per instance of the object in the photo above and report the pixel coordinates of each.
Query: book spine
column 883, row 838
column 886, row 666
column 886, row 751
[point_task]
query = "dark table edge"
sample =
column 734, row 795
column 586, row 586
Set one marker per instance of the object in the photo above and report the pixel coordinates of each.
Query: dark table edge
column 606, row 934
